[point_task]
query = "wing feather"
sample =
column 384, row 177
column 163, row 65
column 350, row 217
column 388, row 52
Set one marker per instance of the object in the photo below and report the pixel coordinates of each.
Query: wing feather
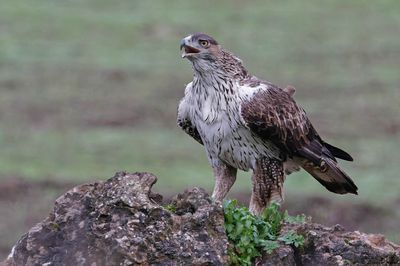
column 183, row 119
column 187, row 126
column 273, row 115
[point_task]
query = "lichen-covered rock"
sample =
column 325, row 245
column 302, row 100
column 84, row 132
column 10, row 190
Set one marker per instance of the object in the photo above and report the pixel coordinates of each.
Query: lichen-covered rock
column 334, row 246
column 121, row 222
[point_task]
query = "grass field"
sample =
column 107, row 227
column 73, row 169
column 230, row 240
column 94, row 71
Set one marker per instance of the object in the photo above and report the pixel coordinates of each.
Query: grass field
column 89, row 88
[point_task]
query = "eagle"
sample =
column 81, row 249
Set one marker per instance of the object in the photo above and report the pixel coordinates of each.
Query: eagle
column 248, row 123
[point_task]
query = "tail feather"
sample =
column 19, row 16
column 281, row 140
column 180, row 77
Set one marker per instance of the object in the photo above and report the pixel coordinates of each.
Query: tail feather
column 338, row 153
column 330, row 176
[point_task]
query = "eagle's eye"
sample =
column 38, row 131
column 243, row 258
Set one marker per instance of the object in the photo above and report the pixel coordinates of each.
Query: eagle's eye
column 204, row 43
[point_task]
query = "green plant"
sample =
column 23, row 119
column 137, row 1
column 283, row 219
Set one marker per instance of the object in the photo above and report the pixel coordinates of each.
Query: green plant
column 249, row 234
column 170, row 207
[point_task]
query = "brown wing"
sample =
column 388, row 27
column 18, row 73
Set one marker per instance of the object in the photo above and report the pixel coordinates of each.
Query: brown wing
column 274, row 116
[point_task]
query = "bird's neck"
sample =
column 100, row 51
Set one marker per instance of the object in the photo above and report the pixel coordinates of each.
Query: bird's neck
column 213, row 82
column 220, row 74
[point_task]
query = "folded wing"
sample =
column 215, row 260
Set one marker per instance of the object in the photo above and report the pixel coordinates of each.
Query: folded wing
column 273, row 115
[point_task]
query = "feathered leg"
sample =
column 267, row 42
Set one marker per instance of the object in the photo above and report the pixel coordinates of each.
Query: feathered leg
column 267, row 179
column 225, row 176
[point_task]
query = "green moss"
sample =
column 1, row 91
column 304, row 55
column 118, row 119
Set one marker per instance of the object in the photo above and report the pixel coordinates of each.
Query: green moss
column 170, row 208
column 54, row 226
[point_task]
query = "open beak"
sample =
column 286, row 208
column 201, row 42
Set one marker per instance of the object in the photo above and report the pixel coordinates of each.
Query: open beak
column 186, row 49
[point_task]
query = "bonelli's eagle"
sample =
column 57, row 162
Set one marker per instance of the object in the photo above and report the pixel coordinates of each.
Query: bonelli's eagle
column 248, row 123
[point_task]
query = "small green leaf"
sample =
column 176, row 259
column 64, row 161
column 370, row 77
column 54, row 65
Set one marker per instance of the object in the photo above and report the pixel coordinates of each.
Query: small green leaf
column 248, row 223
column 239, row 229
column 229, row 228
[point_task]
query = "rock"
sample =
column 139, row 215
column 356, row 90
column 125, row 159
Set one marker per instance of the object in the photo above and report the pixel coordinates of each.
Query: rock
column 333, row 246
column 121, row 222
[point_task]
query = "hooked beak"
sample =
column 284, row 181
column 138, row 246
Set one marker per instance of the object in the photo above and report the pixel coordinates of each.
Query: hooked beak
column 186, row 49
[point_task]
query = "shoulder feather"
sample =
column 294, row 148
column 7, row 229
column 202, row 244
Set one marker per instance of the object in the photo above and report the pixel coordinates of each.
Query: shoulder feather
column 274, row 115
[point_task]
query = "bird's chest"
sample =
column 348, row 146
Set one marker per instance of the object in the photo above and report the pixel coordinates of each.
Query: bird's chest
column 216, row 119
column 223, row 138
column 224, row 135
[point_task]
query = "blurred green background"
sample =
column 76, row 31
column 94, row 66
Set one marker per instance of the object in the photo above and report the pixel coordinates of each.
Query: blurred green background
column 90, row 87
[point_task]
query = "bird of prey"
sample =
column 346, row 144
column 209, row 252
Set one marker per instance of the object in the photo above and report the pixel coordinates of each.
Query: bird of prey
column 248, row 123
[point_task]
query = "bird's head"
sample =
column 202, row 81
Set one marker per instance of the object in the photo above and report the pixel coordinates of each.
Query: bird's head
column 199, row 46
column 207, row 56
